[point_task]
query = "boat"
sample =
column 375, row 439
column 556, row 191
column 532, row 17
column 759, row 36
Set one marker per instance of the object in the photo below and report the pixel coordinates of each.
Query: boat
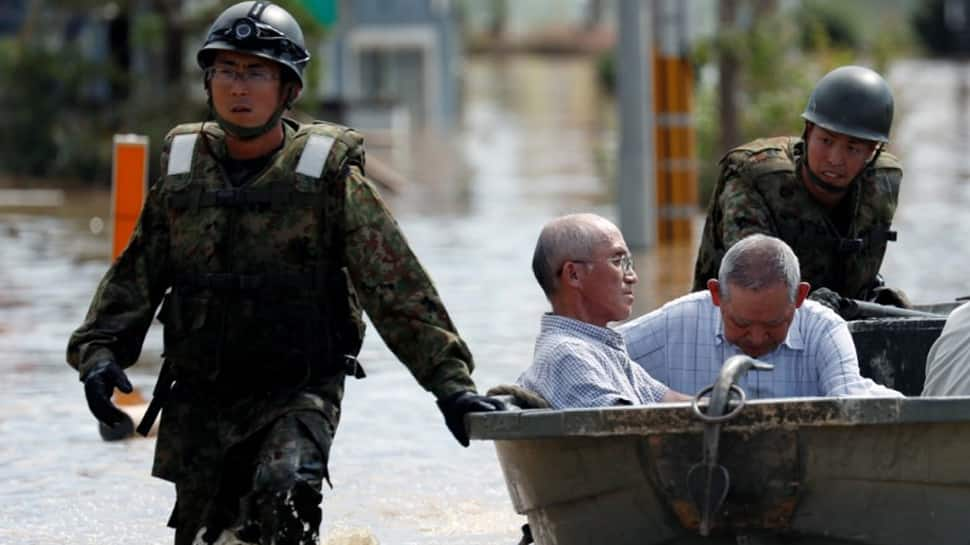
column 892, row 351
column 806, row 471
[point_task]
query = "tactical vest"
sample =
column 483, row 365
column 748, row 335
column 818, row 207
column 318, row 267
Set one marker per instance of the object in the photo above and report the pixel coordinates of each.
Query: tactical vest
column 847, row 263
column 260, row 291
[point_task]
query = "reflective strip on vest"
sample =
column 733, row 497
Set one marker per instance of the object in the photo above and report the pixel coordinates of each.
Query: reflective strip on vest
column 180, row 155
column 314, row 155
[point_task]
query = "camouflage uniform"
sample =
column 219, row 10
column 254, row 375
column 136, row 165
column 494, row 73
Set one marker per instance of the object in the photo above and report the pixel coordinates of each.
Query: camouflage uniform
column 760, row 190
column 265, row 281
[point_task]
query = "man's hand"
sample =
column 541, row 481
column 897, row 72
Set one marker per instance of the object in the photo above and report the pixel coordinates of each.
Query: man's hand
column 99, row 383
column 890, row 296
column 843, row 306
column 456, row 406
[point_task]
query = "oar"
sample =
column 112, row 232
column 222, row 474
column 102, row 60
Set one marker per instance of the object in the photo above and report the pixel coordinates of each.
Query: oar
column 875, row 310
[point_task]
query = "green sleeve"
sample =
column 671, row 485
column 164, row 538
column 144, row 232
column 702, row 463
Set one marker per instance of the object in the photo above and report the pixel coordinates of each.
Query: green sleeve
column 744, row 211
column 398, row 295
column 125, row 301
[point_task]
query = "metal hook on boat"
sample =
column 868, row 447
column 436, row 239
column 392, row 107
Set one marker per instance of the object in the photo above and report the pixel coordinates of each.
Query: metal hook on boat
column 731, row 372
column 709, row 481
column 695, row 405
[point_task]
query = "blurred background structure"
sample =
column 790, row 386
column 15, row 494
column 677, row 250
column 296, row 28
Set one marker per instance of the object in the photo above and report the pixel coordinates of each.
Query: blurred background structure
column 403, row 55
column 83, row 69
column 490, row 117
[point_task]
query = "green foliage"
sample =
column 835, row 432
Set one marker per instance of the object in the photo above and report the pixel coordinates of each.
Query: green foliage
column 896, row 39
column 55, row 124
column 774, row 77
column 826, row 24
column 44, row 135
column 148, row 30
column 780, row 58
column 606, row 70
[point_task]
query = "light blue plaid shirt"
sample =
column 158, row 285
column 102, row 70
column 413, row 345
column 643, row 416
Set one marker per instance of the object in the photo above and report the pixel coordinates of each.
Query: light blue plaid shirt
column 577, row 364
column 682, row 345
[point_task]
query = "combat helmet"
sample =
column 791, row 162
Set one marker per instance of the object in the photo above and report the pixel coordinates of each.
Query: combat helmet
column 258, row 28
column 852, row 100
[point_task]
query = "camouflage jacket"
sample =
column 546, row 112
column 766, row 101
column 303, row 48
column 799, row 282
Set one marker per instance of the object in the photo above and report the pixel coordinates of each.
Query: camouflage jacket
column 760, row 190
column 210, row 242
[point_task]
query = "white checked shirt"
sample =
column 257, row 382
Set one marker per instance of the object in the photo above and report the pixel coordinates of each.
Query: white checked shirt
column 577, row 364
column 682, row 344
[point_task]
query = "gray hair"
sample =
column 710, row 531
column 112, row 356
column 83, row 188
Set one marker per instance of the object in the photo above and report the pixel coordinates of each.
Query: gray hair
column 759, row 261
column 567, row 238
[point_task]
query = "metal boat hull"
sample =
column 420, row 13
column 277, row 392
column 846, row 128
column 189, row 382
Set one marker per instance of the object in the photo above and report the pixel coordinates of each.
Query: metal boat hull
column 801, row 471
column 807, row 471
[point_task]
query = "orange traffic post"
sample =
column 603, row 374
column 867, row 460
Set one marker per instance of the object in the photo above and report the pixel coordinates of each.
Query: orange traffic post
column 129, row 185
column 676, row 166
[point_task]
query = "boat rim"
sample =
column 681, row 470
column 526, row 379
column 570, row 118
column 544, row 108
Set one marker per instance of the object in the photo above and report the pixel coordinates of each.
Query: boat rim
column 668, row 418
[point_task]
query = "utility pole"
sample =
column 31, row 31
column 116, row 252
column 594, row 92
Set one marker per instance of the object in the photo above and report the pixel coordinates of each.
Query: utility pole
column 728, row 67
column 637, row 163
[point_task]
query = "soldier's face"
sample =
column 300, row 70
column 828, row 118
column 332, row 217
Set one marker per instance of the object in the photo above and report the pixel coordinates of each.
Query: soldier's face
column 837, row 158
column 757, row 321
column 245, row 88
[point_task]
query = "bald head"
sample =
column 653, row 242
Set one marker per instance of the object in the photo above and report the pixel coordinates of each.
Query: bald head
column 567, row 238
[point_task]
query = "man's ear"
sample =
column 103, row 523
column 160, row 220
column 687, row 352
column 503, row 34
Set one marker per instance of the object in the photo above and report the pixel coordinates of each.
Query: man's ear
column 570, row 275
column 714, row 287
column 290, row 92
column 802, row 293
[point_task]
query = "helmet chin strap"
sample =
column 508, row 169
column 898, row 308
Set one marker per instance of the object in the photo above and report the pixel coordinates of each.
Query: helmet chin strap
column 250, row 133
column 818, row 182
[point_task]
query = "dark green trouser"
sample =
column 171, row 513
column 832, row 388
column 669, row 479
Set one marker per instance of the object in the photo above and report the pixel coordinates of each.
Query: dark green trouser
column 270, row 487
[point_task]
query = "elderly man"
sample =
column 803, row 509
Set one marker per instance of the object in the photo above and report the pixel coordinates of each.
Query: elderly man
column 756, row 307
column 584, row 267
column 948, row 362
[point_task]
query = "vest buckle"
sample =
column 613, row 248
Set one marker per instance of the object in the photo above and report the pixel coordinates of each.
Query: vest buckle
column 227, row 197
column 352, row 367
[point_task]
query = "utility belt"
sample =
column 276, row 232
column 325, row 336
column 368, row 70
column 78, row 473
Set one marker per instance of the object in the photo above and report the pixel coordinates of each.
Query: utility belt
column 217, row 341
column 232, row 282
column 348, row 364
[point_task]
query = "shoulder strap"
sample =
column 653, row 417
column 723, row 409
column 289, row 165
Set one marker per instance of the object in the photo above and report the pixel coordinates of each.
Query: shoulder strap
column 180, row 153
column 328, row 149
column 760, row 157
column 314, row 155
column 180, row 146
column 887, row 160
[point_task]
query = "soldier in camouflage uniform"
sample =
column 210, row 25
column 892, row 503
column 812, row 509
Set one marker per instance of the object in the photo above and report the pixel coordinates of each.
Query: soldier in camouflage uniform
column 830, row 195
column 262, row 241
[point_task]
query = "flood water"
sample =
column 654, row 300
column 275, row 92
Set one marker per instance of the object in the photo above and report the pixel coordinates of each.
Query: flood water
column 532, row 137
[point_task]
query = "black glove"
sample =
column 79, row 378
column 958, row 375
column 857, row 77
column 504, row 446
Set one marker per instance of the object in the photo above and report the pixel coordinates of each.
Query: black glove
column 99, row 383
column 890, row 296
column 843, row 306
column 456, row 406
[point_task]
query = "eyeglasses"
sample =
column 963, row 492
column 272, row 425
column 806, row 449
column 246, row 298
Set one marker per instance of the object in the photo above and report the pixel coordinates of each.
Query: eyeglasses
column 255, row 76
column 624, row 262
